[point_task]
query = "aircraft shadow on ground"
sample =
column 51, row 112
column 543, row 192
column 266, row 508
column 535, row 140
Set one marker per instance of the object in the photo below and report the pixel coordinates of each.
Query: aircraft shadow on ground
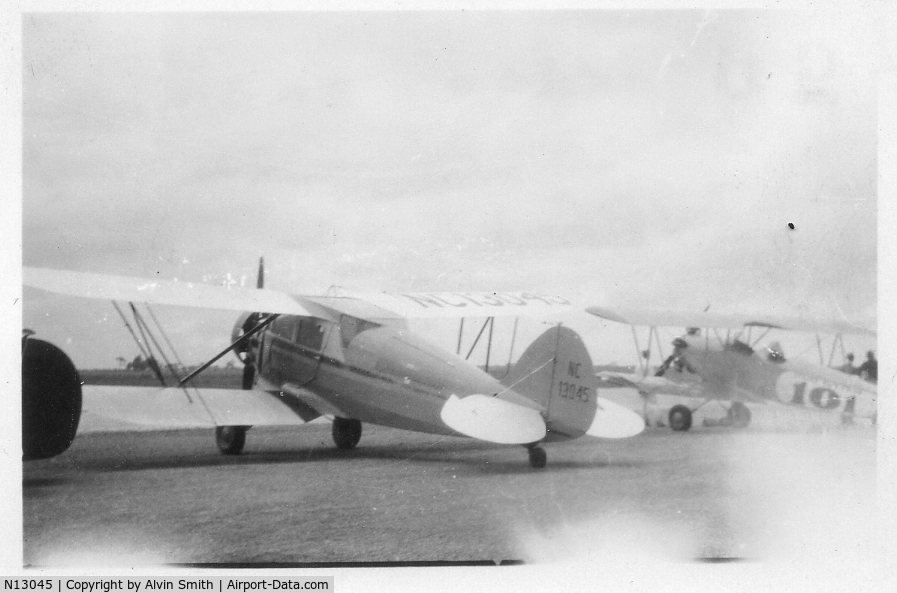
column 36, row 483
column 477, row 457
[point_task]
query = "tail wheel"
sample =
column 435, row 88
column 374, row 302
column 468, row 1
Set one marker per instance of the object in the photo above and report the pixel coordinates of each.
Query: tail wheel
column 739, row 415
column 680, row 418
column 346, row 432
column 230, row 439
column 538, row 458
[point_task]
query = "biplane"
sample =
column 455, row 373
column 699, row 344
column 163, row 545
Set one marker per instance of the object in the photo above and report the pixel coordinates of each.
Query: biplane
column 350, row 357
column 720, row 358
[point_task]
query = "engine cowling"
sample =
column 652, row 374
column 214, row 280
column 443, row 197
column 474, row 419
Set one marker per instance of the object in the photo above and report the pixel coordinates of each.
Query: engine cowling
column 51, row 400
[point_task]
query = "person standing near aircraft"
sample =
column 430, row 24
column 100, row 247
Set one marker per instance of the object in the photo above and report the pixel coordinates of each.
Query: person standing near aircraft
column 848, row 367
column 774, row 353
column 869, row 369
column 676, row 359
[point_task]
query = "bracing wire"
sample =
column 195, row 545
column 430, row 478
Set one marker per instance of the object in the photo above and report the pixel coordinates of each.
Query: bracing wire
column 131, row 330
column 174, row 351
column 140, row 326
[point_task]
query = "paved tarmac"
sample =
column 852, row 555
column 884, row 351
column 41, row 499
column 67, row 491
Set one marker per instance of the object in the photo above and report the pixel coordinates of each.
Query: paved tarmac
column 117, row 499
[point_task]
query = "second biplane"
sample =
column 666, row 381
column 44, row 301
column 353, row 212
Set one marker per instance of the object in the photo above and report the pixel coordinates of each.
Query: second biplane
column 729, row 367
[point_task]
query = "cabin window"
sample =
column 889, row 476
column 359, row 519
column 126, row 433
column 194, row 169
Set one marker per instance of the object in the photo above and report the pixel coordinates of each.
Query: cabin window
column 285, row 327
column 311, row 334
column 349, row 327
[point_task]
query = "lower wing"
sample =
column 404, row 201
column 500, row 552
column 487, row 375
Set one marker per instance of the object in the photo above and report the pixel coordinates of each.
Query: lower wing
column 649, row 385
column 117, row 408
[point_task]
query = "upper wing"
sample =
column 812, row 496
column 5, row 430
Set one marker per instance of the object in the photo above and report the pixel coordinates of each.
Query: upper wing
column 733, row 321
column 162, row 292
column 435, row 305
column 382, row 305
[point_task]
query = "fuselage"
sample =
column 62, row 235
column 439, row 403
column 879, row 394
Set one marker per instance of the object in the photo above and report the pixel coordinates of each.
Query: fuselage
column 377, row 373
column 736, row 371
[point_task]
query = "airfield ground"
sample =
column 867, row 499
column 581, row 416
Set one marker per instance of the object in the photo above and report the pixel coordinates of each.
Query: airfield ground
column 124, row 499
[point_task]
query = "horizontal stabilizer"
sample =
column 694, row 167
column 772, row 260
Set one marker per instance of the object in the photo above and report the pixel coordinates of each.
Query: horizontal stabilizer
column 492, row 419
column 161, row 292
column 117, row 408
column 613, row 421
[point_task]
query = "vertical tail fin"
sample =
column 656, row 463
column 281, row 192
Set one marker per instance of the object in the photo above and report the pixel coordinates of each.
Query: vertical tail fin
column 556, row 372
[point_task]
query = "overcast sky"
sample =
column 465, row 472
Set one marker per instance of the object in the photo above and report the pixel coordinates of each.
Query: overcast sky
column 649, row 157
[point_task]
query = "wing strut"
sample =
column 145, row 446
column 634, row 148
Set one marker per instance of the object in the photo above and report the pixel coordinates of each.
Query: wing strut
column 642, row 365
column 259, row 327
column 659, row 344
column 489, row 321
column 819, row 348
column 838, row 340
column 128, row 325
column 763, row 335
column 148, row 351
column 171, row 347
column 489, row 343
column 511, row 351
column 144, row 350
column 141, row 325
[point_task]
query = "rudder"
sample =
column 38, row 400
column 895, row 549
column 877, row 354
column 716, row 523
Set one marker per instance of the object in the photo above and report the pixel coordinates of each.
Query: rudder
column 556, row 372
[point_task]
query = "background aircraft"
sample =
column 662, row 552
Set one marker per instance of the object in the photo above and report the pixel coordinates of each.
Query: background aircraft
column 732, row 368
column 349, row 357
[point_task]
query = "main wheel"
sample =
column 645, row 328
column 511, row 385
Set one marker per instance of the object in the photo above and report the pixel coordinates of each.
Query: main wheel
column 680, row 418
column 739, row 415
column 346, row 432
column 537, row 457
column 230, row 439
column 51, row 399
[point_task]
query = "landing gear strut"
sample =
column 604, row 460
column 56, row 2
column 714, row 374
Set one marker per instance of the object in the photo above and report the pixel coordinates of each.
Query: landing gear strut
column 230, row 439
column 346, row 432
column 537, row 457
column 680, row 418
column 248, row 375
